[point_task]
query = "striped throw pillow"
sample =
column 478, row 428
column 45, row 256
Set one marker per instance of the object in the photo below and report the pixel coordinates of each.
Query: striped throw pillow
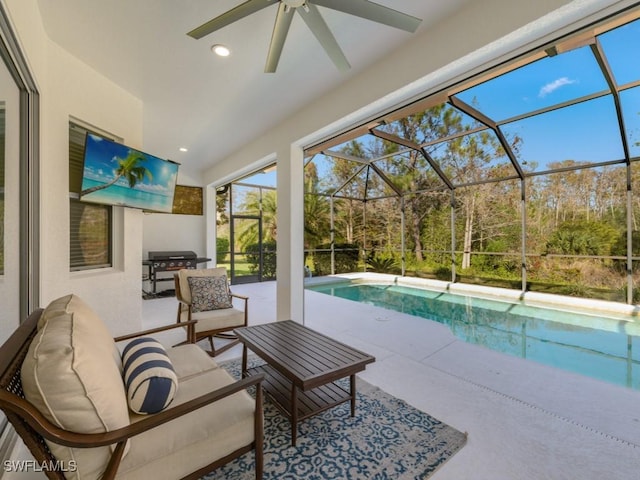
column 149, row 377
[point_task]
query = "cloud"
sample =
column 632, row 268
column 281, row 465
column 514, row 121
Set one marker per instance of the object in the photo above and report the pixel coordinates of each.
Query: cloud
column 553, row 86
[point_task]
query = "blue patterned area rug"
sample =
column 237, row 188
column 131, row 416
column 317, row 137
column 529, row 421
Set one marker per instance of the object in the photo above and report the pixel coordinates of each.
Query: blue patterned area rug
column 387, row 439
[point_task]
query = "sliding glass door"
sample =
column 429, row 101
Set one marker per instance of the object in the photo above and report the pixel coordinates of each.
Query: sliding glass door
column 19, row 186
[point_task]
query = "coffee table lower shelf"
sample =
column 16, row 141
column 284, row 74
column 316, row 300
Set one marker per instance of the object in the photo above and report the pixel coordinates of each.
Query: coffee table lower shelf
column 310, row 402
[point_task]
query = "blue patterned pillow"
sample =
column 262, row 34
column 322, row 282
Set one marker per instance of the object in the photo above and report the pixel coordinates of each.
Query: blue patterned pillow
column 149, row 377
column 209, row 293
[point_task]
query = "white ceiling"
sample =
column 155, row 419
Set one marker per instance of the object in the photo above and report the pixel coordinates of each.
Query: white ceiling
column 209, row 104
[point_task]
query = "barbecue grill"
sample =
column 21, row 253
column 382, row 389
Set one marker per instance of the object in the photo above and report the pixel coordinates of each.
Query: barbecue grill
column 170, row 261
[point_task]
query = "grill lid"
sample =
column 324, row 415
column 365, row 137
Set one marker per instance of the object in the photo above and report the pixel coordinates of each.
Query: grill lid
column 173, row 255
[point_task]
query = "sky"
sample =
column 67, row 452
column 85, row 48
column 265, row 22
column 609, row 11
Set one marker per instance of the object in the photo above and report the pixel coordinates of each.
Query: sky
column 265, row 179
column 585, row 132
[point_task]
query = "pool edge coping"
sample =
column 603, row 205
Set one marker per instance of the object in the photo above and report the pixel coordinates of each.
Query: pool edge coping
column 529, row 298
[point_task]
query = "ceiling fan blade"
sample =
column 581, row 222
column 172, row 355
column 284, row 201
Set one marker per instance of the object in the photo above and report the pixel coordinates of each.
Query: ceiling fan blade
column 373, row 11
column 237, row 13
column 280, row 30
column 319, row 28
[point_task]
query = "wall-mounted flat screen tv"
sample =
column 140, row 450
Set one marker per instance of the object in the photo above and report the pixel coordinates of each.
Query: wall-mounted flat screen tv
column 114, row 174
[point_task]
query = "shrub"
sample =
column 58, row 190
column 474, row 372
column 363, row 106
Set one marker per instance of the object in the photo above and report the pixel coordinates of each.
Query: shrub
column 583, row 238
column 346, row 258
column 268, row 259
column 222, row 249
column 381, row 263
column 443, row 273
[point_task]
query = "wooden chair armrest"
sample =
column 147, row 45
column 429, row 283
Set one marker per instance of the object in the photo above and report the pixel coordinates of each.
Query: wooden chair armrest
column 241, row 297
column 183, row 301
column 190, row 330
column 23, row 409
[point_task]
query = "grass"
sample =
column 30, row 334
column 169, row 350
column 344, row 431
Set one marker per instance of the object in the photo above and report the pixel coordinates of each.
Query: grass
column 241, row 268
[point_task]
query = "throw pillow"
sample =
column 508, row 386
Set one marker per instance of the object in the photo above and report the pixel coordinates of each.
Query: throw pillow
column 209, row 293
column 149, row 377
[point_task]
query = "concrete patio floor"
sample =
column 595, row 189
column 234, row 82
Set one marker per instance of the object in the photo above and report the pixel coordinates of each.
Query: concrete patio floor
column 524, row 420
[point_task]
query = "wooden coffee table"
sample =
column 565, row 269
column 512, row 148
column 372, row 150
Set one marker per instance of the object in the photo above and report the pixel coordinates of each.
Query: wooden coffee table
column 302, row 366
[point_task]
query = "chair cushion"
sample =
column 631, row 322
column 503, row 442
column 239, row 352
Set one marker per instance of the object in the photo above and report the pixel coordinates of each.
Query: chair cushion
column 177, row 448
column 149, row 377
column 190, row 360
column 209, row 293
column 184, row 274
column 218, row 319
column 72, row 375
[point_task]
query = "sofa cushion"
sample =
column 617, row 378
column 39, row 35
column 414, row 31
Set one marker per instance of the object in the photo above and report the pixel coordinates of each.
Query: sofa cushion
column 189, row 360
column 192, row 441
column 149, row 377
column 209, row 293
column 72, row 375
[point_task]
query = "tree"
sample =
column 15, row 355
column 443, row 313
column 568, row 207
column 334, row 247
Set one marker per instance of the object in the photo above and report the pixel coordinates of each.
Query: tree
column 344, row 175
column 316, row 210
column 222, row 202
column 411, row 171
column 316, row 220
column 129, row 168
column 262, row 203
column 465, row 158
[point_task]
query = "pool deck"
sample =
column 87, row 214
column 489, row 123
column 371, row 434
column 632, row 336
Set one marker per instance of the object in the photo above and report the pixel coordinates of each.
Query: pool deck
column 525, row 420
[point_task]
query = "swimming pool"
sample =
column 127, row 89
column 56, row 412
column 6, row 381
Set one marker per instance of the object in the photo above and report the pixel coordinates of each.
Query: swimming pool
column 597, row 345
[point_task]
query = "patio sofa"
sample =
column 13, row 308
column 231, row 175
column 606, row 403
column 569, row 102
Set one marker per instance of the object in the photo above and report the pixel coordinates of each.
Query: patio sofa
column 62, row 388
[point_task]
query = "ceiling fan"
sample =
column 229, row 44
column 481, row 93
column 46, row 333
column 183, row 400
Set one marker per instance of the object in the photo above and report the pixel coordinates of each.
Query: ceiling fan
column 312, row 17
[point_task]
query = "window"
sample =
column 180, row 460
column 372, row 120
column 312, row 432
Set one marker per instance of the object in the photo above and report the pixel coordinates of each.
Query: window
column 2, row 121
column 90, row 224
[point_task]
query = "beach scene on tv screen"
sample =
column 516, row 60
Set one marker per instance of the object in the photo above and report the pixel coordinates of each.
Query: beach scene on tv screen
column 115, row 174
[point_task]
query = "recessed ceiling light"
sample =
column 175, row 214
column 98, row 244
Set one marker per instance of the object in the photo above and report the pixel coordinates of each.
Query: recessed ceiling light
column 220, row 50
column 183, row 149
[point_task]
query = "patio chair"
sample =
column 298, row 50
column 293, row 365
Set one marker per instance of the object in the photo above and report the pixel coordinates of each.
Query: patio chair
column 204, row 295
column 177, row 416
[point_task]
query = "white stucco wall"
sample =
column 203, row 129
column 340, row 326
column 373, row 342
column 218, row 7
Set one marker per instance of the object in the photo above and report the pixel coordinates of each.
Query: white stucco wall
column 166, row 232
column 67, row 88
column 483, row 34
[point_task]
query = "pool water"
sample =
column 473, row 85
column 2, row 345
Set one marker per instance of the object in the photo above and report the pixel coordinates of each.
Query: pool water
column 602, row 347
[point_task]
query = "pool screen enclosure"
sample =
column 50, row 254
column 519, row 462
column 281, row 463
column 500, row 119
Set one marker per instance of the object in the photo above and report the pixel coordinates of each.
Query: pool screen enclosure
column 526, row 176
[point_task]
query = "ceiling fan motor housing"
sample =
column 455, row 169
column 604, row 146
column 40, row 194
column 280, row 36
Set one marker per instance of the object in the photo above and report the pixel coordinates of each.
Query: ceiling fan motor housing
column 293, row 3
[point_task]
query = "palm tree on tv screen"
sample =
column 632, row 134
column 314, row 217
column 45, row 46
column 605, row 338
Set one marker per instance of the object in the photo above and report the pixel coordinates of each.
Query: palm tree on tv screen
column 128, row 168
